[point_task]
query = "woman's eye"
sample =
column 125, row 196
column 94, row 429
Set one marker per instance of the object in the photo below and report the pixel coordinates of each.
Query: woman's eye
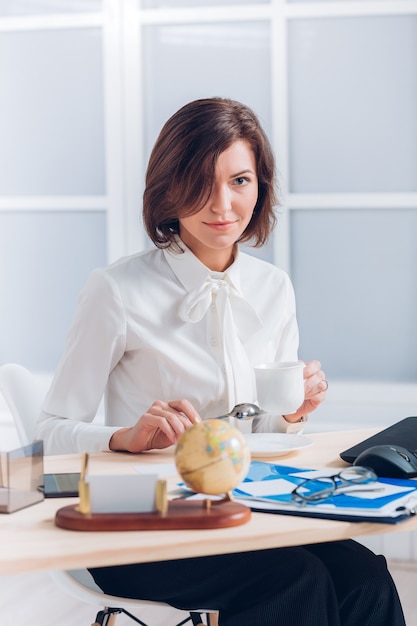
column 241, row 180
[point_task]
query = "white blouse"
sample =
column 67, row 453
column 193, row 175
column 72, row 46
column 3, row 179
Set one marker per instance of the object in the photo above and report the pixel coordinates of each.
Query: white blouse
column 159, row 325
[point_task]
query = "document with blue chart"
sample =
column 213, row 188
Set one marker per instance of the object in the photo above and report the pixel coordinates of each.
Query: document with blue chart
column 269, row 487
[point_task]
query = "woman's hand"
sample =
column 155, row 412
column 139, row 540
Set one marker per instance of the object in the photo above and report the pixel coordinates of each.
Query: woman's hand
column 161, row 426
column 315, row 388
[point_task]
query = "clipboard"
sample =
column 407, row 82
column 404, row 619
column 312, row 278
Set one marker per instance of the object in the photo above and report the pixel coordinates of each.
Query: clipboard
column 267, row 488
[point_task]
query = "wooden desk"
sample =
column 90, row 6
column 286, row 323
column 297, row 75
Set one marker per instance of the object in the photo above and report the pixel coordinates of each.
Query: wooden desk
column 31, row 541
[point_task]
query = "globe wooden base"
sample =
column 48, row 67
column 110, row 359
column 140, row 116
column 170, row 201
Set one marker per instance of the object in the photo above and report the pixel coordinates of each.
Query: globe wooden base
column 181, row 514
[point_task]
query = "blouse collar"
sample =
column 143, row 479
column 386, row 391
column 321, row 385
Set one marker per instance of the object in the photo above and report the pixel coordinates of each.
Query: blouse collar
column 192, row 273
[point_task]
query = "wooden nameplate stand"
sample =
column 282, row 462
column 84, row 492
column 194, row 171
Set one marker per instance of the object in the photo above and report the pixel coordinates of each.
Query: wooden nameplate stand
column 181, row 514
column 176, row 514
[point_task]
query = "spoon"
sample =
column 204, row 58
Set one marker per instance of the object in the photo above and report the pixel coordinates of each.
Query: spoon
column 244, row 411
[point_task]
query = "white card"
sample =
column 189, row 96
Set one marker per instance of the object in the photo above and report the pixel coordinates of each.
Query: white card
column 129, row 493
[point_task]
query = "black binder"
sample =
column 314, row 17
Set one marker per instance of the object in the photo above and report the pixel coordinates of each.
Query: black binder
column 403, row 433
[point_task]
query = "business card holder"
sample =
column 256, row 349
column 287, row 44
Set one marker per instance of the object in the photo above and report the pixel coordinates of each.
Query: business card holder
column 140, row 502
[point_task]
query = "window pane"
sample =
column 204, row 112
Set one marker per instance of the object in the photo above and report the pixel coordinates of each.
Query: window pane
column 48, row 7
column 51, row 113
column 353, row 273
column 172, row 4
column 332, row 1
column 184, row 62
column 353, row 103
column 45, row 259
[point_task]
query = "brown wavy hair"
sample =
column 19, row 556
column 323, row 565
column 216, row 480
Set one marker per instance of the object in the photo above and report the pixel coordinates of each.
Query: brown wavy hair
column 180, row 172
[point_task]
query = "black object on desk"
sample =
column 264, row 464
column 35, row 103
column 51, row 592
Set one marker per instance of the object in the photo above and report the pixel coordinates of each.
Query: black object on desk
column 402, row 433
column 389, row 461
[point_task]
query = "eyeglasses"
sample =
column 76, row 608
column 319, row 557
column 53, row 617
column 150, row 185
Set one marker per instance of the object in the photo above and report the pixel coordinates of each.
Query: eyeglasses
column 314, row 490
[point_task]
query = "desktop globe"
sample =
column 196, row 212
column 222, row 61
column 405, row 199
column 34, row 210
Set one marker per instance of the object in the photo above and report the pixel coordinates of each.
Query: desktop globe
column 212, row 457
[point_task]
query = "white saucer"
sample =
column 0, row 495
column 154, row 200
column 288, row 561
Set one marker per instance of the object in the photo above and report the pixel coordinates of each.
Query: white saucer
column 275, row 444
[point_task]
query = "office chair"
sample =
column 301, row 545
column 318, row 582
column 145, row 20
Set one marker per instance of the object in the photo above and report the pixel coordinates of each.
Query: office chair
column 24, row 397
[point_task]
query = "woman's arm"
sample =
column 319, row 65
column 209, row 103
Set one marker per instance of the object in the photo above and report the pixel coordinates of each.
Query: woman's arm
column 95, row 343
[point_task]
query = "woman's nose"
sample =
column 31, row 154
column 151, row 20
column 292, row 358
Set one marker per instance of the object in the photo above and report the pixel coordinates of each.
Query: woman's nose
column 221, row 201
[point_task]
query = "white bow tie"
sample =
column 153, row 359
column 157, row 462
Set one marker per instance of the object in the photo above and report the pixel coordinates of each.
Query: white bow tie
column 196, row 304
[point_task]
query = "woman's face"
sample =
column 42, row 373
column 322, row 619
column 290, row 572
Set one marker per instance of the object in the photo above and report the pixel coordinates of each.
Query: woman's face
column 211, row 233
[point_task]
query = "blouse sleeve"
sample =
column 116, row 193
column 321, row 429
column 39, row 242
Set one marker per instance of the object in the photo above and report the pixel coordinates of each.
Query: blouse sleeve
column 95, row 343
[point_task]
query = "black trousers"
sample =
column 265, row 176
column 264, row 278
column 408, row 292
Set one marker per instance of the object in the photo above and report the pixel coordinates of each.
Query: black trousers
column 331, row 584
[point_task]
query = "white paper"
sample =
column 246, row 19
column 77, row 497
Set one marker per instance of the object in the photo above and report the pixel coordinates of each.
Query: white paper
column 129, row 493
column 280, row 486
column 263, row 488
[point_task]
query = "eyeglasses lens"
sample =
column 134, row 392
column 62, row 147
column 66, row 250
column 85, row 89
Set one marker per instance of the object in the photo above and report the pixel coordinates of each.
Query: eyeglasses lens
column 314, row 490
column 318, row 489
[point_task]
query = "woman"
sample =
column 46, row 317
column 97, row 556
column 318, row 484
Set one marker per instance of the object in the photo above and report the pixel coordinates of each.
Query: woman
column 171, row 335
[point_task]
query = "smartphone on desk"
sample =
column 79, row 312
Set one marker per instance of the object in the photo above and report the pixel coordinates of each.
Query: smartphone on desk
column 63, row 485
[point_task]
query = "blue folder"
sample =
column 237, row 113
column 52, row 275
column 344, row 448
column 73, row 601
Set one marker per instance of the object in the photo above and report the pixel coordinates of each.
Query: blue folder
column 268, row 486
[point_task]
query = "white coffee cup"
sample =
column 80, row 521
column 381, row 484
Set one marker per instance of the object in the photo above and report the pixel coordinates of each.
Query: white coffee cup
column 280, row 386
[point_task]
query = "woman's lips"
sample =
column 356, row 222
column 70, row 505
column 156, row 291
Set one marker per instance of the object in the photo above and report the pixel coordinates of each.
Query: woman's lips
column 220, row 225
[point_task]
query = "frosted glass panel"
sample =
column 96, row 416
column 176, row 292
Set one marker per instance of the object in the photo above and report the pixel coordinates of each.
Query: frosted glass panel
column 172, row 4
column 353, row 103
column 330, row 1
column 355, row 274
column 185, row 62
column 45, row 259
column 51, row 113
column 36, row 7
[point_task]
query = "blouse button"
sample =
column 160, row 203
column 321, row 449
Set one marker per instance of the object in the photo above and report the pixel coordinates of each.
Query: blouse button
column 213, row 341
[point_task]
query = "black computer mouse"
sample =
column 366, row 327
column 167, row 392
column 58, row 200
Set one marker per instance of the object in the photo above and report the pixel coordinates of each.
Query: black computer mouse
column 389, row 460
